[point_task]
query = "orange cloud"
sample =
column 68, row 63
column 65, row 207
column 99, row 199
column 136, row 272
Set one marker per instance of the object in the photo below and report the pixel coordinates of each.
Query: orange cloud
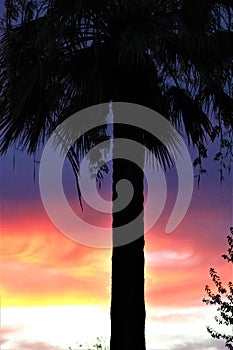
column 40, row 266
column 178, row 264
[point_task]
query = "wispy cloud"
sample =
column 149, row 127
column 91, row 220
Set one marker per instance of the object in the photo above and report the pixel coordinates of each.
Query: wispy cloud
column 6, row 333
column 211, row 344
column 25, row 345
column 171, row 257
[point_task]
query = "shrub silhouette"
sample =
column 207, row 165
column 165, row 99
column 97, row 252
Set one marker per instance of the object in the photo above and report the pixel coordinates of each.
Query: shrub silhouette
column 223, row 298
column 99, row 345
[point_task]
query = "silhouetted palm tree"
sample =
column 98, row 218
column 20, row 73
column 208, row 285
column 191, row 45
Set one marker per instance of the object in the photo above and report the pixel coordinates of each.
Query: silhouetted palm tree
column 58, row 57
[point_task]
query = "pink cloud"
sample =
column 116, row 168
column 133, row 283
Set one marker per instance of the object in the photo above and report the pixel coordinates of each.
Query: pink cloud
column 6, row 334
column 25, row 345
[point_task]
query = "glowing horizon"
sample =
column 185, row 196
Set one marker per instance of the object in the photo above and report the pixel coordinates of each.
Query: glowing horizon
column 41, row 269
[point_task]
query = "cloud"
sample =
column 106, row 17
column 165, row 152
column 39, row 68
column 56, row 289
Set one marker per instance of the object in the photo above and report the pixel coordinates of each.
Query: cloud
column 25, row 345
column 177, row 265
column 50, row 267
column 171, row 257
column 3, row 340
column 207, row 344
column 48, row 263
column 176, row 317
column 6, row 332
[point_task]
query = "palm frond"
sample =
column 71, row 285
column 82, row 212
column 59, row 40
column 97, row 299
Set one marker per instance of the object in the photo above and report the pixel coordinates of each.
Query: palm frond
column 58, row 57
column 186, row 112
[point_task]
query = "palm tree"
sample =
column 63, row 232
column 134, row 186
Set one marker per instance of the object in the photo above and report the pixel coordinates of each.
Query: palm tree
column 172, row 56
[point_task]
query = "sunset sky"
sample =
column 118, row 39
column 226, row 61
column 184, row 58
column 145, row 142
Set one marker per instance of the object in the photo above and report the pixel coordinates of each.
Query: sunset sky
column 55, row 292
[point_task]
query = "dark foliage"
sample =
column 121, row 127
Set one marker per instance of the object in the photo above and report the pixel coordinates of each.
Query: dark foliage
column 223, row 298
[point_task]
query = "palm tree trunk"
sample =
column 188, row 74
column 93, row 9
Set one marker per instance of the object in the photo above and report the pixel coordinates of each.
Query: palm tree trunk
column 127, row 304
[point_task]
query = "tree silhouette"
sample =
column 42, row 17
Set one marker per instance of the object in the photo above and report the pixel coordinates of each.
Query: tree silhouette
column 223, row 298
column 59, row 57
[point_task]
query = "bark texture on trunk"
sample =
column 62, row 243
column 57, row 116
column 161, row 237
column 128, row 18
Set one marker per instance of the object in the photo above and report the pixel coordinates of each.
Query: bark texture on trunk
column 128, row 304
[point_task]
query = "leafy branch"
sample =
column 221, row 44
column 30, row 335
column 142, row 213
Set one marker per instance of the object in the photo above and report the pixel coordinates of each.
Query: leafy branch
column 223, row 298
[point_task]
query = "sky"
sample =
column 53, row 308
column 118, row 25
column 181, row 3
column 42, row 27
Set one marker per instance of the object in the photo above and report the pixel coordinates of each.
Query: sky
column 55, row 293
